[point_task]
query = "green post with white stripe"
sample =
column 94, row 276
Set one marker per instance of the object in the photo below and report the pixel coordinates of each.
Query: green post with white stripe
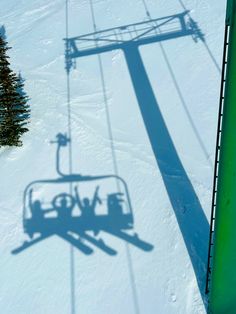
column 222, row 298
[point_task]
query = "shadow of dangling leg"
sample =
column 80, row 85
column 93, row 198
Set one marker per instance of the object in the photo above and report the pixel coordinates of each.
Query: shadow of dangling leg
column 99, row 243
column 132, row 239
column 76, row 242
column 28, row 244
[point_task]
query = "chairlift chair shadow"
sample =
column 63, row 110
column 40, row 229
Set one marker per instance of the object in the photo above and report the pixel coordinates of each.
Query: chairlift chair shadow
column 56, row 215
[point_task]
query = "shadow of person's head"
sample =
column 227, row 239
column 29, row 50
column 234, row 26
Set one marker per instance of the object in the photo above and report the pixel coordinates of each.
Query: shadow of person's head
column 86, row 202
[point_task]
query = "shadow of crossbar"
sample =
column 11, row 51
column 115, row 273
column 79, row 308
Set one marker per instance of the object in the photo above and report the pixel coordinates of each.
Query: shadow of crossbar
column 141, row 33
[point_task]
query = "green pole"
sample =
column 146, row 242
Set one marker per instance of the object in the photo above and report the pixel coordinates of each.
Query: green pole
column 222, row 298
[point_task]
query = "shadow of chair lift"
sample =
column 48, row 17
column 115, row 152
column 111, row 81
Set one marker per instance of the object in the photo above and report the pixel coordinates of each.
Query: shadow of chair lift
column 75, row 218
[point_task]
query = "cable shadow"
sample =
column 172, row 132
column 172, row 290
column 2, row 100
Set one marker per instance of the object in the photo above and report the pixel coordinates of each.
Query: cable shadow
column 77, row 217
column 72, row 255
column 177, row 87
column 115, row 165
column 185, row 107
column 186, row 205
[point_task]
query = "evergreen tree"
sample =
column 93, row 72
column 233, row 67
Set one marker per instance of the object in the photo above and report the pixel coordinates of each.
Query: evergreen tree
column 14, row 109
column 22, row 100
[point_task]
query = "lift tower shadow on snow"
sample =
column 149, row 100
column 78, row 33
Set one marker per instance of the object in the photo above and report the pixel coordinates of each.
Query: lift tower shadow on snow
column 189, row 213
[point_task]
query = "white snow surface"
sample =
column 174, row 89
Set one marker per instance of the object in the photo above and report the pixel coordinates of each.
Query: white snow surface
column 52, row 277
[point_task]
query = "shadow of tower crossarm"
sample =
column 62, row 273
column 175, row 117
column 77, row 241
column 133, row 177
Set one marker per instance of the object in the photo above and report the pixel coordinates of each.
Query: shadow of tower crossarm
column 142, row 33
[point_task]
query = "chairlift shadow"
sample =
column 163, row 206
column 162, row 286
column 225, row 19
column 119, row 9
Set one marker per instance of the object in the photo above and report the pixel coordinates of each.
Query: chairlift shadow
column 79, row 219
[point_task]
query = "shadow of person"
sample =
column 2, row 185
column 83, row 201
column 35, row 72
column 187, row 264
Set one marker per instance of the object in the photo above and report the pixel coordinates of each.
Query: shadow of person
column 115, row 203
column 35, row 207
column 86, row 206
column 63, row 204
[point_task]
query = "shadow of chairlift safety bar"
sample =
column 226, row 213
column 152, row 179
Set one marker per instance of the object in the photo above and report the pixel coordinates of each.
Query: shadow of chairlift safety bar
column 142, row 33
column 58, row 217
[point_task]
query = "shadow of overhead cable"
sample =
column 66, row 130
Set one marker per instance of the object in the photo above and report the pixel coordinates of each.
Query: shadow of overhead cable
column 69, row 129
column 181, row 97
column 180, row 94
column 201, row 248
column 115, row 165
column 189, row 213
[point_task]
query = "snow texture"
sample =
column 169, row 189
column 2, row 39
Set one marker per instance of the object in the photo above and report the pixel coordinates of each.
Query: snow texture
column 169, row 172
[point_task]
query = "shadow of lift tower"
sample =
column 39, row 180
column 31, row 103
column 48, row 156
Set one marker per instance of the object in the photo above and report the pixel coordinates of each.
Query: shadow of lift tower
column 190, row 216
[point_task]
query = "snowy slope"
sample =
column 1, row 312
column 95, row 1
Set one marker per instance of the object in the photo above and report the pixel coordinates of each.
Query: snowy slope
column 54, row 277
